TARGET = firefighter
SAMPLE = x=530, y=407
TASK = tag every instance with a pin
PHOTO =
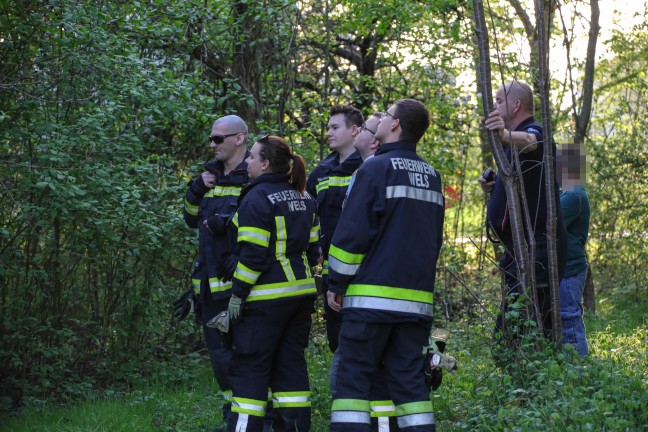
x=328, y=182
x=273, y=291
x=210, y=201
x=382, y=265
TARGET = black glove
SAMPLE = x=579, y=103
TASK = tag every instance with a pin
x=227, y=268
x=184, y=304
x=218, y=223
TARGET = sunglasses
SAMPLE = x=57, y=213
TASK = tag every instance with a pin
x=218, y=139
x=265, y=139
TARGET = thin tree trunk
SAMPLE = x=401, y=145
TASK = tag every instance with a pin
x=521, y=252
x=548, y=162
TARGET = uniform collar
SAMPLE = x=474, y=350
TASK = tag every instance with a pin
x=398, y=145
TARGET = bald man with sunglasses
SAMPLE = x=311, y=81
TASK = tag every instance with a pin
x=210, y=202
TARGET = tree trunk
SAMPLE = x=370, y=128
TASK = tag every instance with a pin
x=520, y=248
x=549, y=174
x=588, y=293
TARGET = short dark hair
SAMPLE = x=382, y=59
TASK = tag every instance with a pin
x=352, y=116
x=414, y=119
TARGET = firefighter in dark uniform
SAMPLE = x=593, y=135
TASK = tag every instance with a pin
x=328, y=182
x=382, y=270
x=209, y=203
x=273, y=291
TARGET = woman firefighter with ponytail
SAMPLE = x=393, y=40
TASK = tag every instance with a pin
x=273, y=291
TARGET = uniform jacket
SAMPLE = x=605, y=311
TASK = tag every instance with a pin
x=277, y=234
x=217, y=204
x=384, y=253
x=328, y=182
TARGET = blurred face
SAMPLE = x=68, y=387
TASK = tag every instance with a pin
x=340, y=137
x=386, y=124
x=223, y=141
x=501, y=105
x=256, y=166
x=365, y=136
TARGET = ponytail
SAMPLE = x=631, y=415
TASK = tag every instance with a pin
x=298, y=173
x=277, y=152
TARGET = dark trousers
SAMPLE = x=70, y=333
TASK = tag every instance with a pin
x=220, y=354
x=268, y=352
x=363, y=348
x=333, y=319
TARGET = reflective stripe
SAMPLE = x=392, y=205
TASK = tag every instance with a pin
x=342, y=268
x=254, y=235
x=347, y=257
x=280, y=251
x=282, y=290
x=382, y=408
x=227, y=395
x=325, y=267
x=217, y=285
x=235, y=219
x=339, y=181
x=322, y=185
x=248, y=406
x=221, y=191
x=390, y=292
x=196, y=285
x=291, y=399
x=242, y=422
x=350, y=417
x=387, y=304
x=190, y=208
x=415, y=420
x=314, y=234
x=246, y=274
x=414, y=193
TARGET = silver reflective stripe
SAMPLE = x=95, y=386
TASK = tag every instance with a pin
x=242, y=422
x=281, y=290
x=342, y=268
x=288, y=399
x=383, y=424
x=350, y=417
x=415, y=420
x=383, y=408
x=219, y=284
x=414, y=193
x=388, y=304
x=247, y=406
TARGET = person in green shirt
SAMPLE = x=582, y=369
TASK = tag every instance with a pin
x=575, y=207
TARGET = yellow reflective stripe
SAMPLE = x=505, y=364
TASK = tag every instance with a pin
x=344, y=256
x=350, y=405
x=291, y=399
x=339, y=181
x=254, y=235
x=390, y=293
x=282, y=290
x=325, y=267
x=415, y=413
x=227, y=395
x=307, y=267
x=314, y=234
x=221, y=191
x=196, y=285
x=248, y=406
x=217, y=285
x=190, y=208
x=280, y=251
x=322, y=185
x=384, y=408
x=246, y=274
x=235, y=219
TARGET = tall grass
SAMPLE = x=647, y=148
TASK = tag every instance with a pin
x=548, y=392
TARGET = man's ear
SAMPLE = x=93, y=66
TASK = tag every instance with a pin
x=355, y=130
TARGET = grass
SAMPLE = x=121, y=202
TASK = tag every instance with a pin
x=545, y=391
